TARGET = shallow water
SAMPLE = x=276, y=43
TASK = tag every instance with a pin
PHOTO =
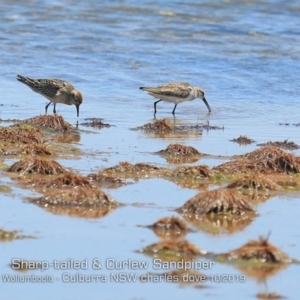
x=244, y=54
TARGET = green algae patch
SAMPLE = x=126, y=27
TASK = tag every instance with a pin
x=221, y=177
x=289, y=183
x=67, y=138
x=8, y=236
x=65, y=150
x=5, y=189
x=170, y=250
x=3, y=166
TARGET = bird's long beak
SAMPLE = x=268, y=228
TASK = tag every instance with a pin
x=206, y=103
x=77, y=108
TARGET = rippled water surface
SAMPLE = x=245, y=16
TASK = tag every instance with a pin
x=245, y=54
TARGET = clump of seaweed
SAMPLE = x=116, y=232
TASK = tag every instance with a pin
x=111, y=182
x=95, y=122
x=173, y=250
x=170, y=228
x=67, y=180
x=36, y=149
x=158, y=126
x=257, y=258
x=264, y=160
x=55, y=122
x=243, y=140
x=238, y=166
x=264, y=153
x=82, y=197
x=37, y=166
x=21, y=135
x=193, y=172
x=163, y=127
x=131, y=171
x=284, y=145
x=179, y=150
x=220, y=201
x=258, y=251
x=177, y=154
x=254, y=181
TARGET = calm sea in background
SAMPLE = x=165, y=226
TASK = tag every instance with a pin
x=245, y=54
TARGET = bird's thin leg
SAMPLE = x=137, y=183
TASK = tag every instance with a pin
x=46, y=107
x=54, y=110
x=173, y=112
x=155, y=105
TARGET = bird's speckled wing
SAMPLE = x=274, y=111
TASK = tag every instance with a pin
x=175, y=89
x=47, y=87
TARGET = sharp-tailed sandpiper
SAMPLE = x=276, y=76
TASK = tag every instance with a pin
x=55, y=90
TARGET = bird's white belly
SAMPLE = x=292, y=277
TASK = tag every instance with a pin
x=173, y=99
x=57, y=98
